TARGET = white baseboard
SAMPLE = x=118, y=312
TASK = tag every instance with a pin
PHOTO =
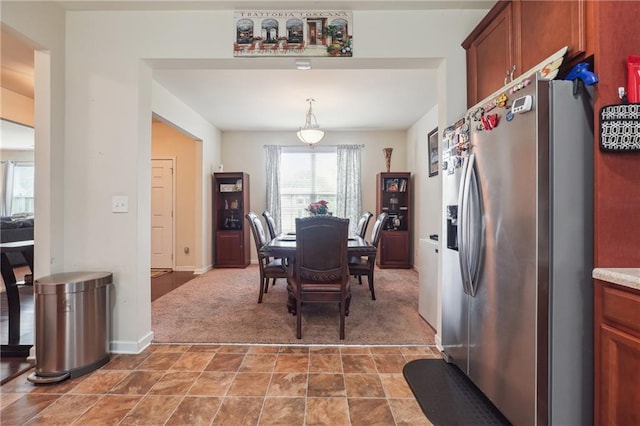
x=128, y=347
x=32, y=354
x=201, y=271
x=184, y=268
x=196, y=271
x=439, y=343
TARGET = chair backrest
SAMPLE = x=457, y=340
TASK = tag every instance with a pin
x=321, y=249
x=363, y=222
x=376, y=231
x=257, y=230
x=271, y=224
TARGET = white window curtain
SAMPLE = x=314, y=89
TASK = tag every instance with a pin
x=349, y=199
x=6, y=188
x=272, y=154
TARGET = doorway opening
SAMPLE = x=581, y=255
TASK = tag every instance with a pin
x=175, y=189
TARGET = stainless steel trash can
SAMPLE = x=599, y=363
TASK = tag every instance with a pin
x=72, y=336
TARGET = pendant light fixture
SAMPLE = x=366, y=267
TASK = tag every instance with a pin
x=310, y=133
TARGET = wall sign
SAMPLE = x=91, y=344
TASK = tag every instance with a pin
x=293, y=33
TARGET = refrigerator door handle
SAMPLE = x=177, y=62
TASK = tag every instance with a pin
x=474, y=226
x=463, y=216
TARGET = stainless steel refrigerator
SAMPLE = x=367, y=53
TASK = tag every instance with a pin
x=517, y=313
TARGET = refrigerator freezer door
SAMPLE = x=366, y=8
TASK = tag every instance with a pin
x=455, y=303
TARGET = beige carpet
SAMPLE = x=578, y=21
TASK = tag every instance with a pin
x=221, y=306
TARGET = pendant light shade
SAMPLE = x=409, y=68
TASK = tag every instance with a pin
x=310, y=133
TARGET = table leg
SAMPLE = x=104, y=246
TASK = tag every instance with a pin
x=13, y=299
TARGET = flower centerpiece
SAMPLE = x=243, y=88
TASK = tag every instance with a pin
x=318, y=207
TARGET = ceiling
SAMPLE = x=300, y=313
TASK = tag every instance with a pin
x=16, y=72
x=362, y=95
x=269, y=93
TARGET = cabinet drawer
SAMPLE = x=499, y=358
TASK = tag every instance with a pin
x=621, y=308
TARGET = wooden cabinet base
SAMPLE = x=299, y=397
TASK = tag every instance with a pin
x=230, y=250
x=617, y=355
x=394, y=250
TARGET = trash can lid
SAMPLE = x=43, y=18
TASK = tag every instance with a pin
x=72, y=282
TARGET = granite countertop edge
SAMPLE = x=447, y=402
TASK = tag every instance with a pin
x=627, y=277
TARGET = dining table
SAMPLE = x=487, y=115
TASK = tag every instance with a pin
x=284, y=245
x=14, y=347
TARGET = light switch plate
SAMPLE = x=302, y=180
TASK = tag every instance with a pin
x=119, y=204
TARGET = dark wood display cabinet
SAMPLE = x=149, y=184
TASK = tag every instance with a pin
x=393, y=196
x=231, y=232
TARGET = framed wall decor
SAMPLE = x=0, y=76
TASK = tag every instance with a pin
x=293, y=33
x=432, y=146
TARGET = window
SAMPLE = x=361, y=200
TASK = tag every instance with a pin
x=17, y=188
x=306, y=176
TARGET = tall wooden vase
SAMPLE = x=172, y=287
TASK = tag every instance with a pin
x=387, y=157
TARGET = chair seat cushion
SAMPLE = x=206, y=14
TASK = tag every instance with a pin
x=276, y=263
x=358, y=261
x=359, y=266
x=275, y=266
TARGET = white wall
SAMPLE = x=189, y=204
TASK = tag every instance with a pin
x=236, y=145
x=428, y=203
x=108, y=104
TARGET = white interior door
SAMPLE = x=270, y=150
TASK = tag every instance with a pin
x=162, y=213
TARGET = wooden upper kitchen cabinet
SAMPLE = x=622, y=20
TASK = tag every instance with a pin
x=544, y=27
x=490, y=53
x=617, y=355
x=517, y=35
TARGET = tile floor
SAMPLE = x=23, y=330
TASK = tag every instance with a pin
x=229, y=385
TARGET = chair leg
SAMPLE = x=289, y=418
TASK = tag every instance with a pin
x=291, y=304
x=261, y=289
x=298, y=319
x=266, y=285
x=348, y=304
x=373, y=292
x=360, y=279
x=343, y=308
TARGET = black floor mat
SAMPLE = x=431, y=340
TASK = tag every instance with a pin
x=447, y=396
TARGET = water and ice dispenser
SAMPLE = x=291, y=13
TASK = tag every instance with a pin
x=452, y=227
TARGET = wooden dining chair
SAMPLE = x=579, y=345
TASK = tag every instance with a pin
x=270, y=268
x=320, y=270
x=363, y=223
x=271, y=224
x=365, y=265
